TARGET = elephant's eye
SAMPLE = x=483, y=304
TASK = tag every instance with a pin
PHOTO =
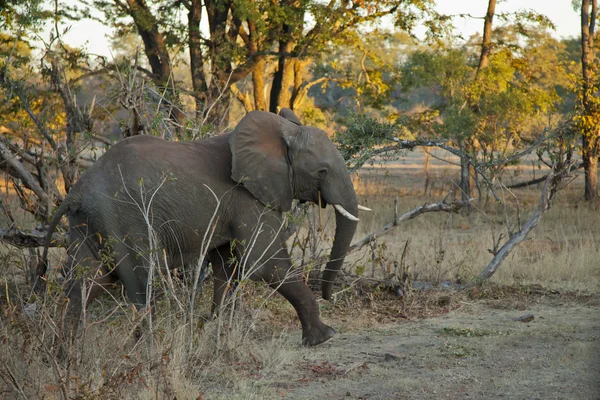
x=323, y=173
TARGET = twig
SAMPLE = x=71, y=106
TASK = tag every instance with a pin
x=14, y=381
x=35, y=119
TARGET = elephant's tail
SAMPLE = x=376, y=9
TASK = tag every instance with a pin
x=42, y=265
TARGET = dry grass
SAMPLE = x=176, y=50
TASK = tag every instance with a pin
x=240, y=360
x=213, y=358
x=562, y=252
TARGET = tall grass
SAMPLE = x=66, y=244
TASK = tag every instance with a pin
x=183, y=351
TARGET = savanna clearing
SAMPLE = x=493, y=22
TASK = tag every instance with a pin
x=431, y=342
x=478, y=350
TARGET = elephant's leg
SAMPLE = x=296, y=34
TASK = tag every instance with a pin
x=133, y=275
x=134, y=278
x=94, y=287
x=291, y=286
x=82, y=267
x=268, y=260
x=222, y=274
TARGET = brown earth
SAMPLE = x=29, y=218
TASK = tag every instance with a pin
x=478, y=351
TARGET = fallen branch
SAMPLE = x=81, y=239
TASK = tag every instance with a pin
x=573, y=167
x=29, y=239
x=364, y=284
x=550, y=189
x=452, y=207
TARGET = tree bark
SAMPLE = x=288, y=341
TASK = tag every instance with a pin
x=156, y=52
x=154, y=43
x=258, y=82
x=590, y=138
x=287, y=79
x=283, y=79
x=258, y=70
x=465, y=175
x=224, y=28
x=426, y=171
x=299, y=67
x=486, y=44
x=590, y=165
x=196, y=57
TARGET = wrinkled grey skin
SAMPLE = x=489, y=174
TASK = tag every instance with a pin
x=255, y=172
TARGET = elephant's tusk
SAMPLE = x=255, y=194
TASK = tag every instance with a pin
x=345, y=213
x=363, y=208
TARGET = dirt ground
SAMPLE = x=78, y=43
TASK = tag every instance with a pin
x=478, y=351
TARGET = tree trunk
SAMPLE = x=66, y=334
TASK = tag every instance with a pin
x=299, y=67
x=258, y=83
x=465, y=180
x=486, y=44
x=156, y=52
x=196, y=58
x=426, y=171
x=590, y=137
x=473, y=150
x=154, y=43
x=287, y=80
x=283, y=79
x=467, y=147
x=258, y=70
x=590, y=165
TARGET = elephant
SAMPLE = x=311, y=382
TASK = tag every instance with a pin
x=228, y=185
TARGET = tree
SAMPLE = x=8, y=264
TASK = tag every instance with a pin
x=273, y=41
x=588, y=115
x=362, y=77
x=42, y=125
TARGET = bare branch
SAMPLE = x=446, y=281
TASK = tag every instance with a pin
x=299, y=94
x=550, y=189
x=241, y=97
x=452, y=207
x=26, y=156
x=573, y=167
x=19, y=171
x=29, y=239
x=463, y=15
x=41, y=127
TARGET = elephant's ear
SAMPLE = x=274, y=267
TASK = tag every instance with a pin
x=260, y=159
x=290, y=116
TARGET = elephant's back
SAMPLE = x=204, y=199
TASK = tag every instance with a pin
x=178, y=182
x=149, y=159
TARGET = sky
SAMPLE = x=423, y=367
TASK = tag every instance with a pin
x=93, y=35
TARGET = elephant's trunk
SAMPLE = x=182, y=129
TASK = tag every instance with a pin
x=344, y=231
